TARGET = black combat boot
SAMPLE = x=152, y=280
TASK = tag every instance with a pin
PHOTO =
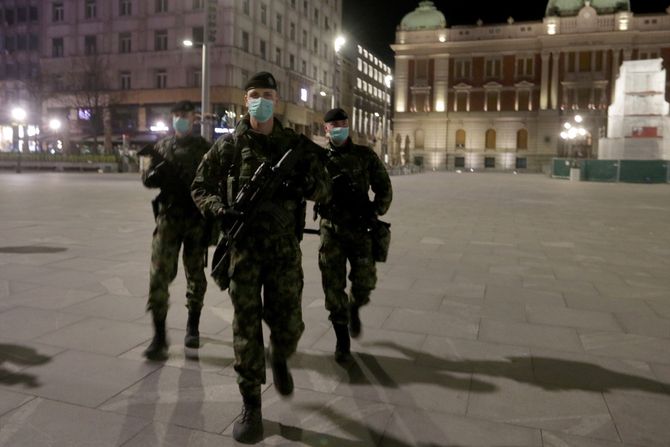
x=158, y=349
x=248, y=428
x=354, y=321
x=280, y=373
x=343, y=345
x=192, y=338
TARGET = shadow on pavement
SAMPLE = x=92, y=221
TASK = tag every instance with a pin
x=31, y=249
x=21, y=356
x=547, y=373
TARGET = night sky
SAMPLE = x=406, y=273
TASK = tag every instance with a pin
x=373, y=22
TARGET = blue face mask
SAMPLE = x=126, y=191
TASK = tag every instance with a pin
x=181, y=125
x=261, y=109
x=339, y=134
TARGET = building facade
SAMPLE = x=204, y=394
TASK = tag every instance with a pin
x=20, y=82
x=366, y=95
x=497, y=96
x=115, y=66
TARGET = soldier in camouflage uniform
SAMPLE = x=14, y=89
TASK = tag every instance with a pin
x=178, y=222
x=268, y=255
x=344, y=228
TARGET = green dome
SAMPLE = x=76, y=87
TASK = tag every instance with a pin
x=426, y=16
x=572, y=7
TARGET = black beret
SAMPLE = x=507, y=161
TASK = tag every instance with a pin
x=335, y=115
x=262, y=79
x=183, y=106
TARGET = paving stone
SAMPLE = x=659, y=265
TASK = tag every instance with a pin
x=586, y=372
x=412, y=427
x=493, y=310
x=48, y=297
x=44, y=423
x=9, y=401
x=652, y=326
x=158, y=434
x=553, y=439
x=433, y=323
x=87, y=379
x=532, y=405
x=13, y=322
x=641, y=420
x=600, y=303
x=99, y=335
x=561, y=316
x=113, y=307
x=184, y=397
x=311, y=418
x=524, y=295
x=522, y=334
x=627, y=346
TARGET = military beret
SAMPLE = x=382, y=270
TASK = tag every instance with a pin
x=183, y=106
x=262, y=79
x=335, y=115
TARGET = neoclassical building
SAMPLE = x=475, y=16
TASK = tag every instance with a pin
x=497, y=96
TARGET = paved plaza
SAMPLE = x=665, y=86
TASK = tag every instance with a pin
x=514, y=310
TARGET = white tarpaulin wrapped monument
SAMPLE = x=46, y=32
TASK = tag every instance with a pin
x=638, y=126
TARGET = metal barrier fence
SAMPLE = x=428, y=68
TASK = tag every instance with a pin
x=629, y=171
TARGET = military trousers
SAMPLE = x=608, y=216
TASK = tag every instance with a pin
x=171, y=233
x=266, y=282
x=338, y=245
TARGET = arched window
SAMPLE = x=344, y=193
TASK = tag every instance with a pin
x=490, y=139
x=522, y=139
x=419, y=137
x=460, y=138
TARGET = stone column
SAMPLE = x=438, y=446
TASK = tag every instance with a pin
x=441, y=76
x=555, y=56
x=544, y=97
x=401, y=80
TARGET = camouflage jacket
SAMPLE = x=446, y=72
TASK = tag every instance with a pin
x=174, y=178
x=232, y=161
x=355, y=170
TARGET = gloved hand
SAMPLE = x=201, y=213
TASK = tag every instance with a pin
x=228, y=215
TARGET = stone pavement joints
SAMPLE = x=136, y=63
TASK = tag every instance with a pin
x=513, y=311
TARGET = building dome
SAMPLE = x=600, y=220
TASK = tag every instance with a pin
x=425, y=16
x=572, y=7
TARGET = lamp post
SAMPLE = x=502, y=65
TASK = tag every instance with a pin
x=205, y=121
x=387, y=83
x=339, y=42
x=574, y=132
x=18, y=116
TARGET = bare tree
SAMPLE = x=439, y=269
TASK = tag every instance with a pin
x=88, y=89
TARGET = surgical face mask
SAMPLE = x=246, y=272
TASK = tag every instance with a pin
x=181, y=125
x=261, y=109
x=339, y=134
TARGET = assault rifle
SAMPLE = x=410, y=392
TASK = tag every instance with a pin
x=260, y=188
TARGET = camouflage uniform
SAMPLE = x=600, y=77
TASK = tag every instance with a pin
x=178, y=221
x=344, y=236
x=268, y=257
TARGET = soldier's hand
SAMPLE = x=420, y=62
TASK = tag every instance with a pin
x=229, y=215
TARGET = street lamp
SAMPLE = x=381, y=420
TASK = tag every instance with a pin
x=574, y=132
x=205, y=122
x=387, y=83
x=339, y=43
x=18, y=115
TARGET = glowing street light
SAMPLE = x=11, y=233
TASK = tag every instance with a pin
x=338, y=44
x=19, y=114
x=578, y=119
x=187, y=43
x=322, y=93
x=55, y=124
